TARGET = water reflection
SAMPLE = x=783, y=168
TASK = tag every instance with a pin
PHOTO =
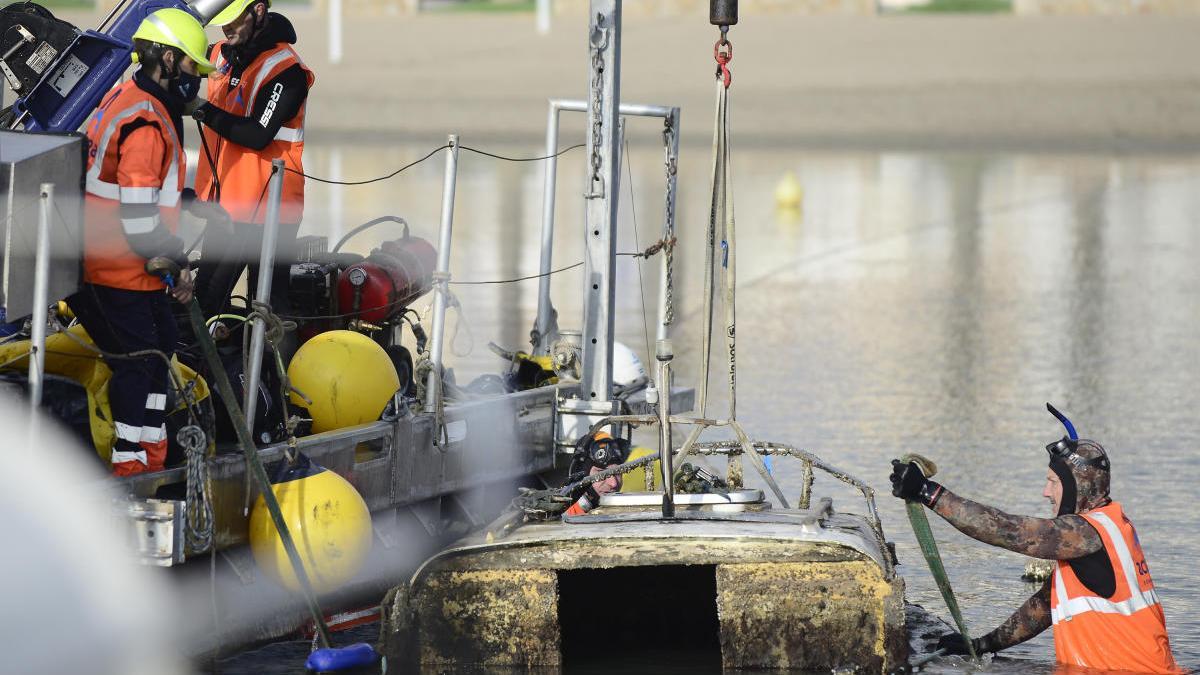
x=921, y=302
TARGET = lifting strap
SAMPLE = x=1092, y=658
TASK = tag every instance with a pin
x=720, y=233
x=929, y=549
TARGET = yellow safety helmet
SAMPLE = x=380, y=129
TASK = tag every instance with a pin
x=179, y=29
x=232, y=12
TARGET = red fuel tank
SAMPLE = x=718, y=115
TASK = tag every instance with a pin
x=392, y=277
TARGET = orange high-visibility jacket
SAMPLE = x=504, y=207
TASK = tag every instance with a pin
x=1126, y=631
x=144, y=166
x=242, y=173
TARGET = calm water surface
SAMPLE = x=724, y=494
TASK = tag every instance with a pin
x=914, y=303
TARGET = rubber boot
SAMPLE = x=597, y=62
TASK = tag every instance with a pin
x=130, y=468
x=156, y=453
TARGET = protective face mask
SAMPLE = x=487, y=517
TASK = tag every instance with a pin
x=186, y=87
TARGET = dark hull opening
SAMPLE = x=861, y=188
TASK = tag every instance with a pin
x=631, y=618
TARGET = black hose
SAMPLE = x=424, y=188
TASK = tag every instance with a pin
x=212, y=164
x=367, y=225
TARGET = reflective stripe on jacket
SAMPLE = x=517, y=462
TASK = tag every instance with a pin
x=144, y=167
x=242, y=173
x=1126, y=631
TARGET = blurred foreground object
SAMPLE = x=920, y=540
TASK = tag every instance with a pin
x=76, y=601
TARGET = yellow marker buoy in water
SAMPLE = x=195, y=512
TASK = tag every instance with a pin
x=328, y=520
x=789, y=194
x=635, y=481
x=349, y=378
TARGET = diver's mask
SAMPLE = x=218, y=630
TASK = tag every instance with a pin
x=1065, y=450
x=600, y=450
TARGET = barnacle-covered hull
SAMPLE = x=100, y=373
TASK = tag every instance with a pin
x=758, y=588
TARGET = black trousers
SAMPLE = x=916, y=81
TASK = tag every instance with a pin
x=122, y=321
x=228, y=251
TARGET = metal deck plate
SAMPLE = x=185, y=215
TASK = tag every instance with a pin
x=805, y=520
x=746, y=496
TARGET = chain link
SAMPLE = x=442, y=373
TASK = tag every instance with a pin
x=599, y=43
x=671, y=164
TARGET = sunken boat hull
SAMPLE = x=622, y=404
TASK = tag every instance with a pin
x=758, y=588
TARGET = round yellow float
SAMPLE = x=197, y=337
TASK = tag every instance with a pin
x=328, y=521
x=349, y=378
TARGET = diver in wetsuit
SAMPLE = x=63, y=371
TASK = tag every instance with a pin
x=1100, y=598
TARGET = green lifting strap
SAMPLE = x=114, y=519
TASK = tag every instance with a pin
x=920, y=526
x=254, y=464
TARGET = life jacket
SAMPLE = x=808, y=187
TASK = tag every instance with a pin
x=1126, y=631
x=107, y=258
x=243, y=173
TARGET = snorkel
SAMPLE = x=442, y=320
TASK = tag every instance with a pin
x=1065, y=422
x=1058, y=452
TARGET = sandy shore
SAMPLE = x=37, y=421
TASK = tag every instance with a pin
x=1092, y=84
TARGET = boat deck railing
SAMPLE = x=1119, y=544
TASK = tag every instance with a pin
x=743, y=446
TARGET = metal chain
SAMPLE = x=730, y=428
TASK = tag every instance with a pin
x=198, y=505
x=599, y=42
x=671, y=163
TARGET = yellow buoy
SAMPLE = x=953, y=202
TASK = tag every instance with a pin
x=635, y=481
x=789, y=194
x=327, y=519
x=349, y=378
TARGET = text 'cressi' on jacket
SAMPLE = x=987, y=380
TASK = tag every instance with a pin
x=242, y=173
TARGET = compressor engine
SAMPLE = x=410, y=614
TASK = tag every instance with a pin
x=391, y=277
x=370, y=295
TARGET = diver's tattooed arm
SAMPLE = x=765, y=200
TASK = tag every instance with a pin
x=1032, y=618
x=1061, y=538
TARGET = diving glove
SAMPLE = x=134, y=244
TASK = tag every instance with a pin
x=955, y=643
x=910, y=484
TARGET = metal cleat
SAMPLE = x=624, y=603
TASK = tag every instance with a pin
x=158, y=531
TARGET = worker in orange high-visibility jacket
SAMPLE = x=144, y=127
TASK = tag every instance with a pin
x=1100, y=598
x=134, y=192
x=254, y=114
x=594, y=454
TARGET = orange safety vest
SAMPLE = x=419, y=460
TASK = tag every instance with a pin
x=243, y=173
x=1126, y=631
x=107, y=258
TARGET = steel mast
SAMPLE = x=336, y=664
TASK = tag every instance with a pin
x=600, y=194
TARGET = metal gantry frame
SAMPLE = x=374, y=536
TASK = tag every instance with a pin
x=544, y=324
